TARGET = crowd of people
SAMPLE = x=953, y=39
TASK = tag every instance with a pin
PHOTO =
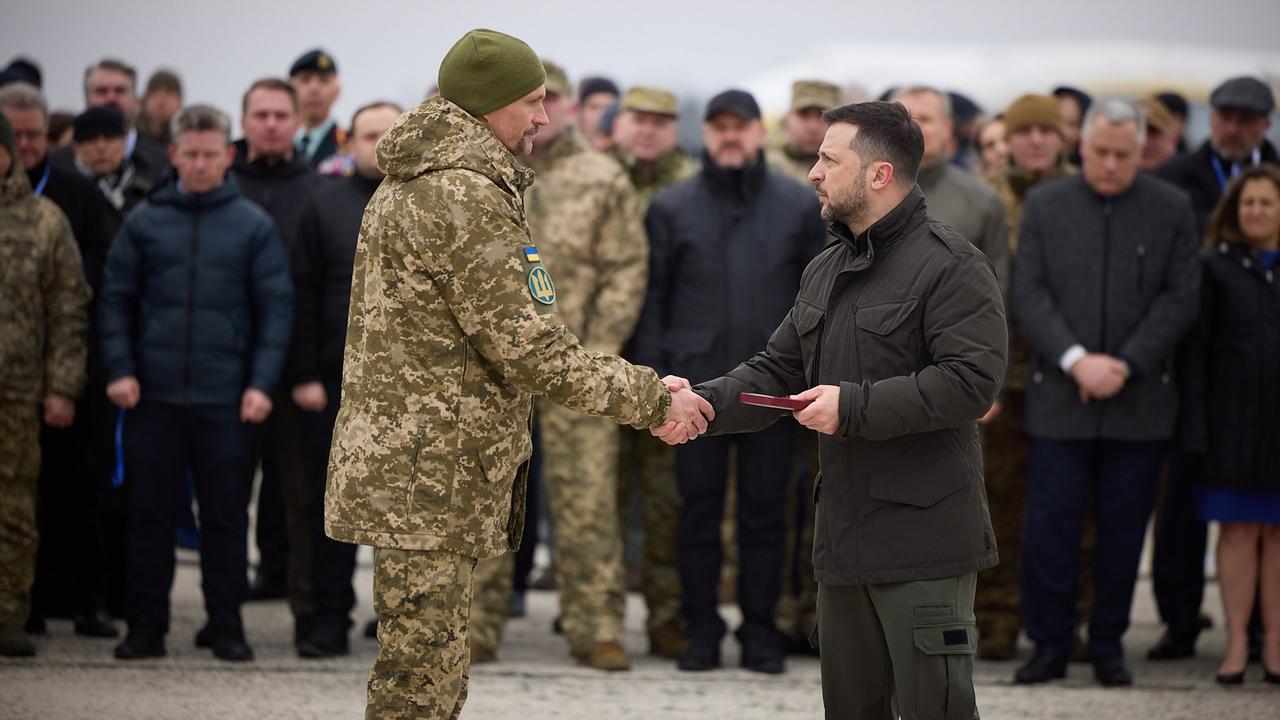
x=174, y=311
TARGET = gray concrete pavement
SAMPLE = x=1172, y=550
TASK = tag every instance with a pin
x=76, y=678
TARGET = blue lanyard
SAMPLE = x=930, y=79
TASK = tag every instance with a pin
x=117, y=476
x=1222, y=175
x=44, y=180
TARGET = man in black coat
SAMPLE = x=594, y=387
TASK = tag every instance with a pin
x=80, y=565
x=197, y=306
x=279, y=180
x=1105, y=284
x=323, y=256
x=314, y=76
x=727, y=248
x=1239, y=116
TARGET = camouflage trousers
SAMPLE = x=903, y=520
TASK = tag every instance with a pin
x=19, y=470
x=423, y=600
x=1005, y=448
x=580, y=464
x=797, y=612
x=648, y=465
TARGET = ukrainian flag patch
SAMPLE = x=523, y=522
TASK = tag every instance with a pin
x=531, y=255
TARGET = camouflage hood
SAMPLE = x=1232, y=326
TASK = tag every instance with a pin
x=15, y=187
x=438, y=135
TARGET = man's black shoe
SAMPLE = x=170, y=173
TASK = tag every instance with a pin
x=1172, y=648
x=204, y=638
x=36, y=625
x=1044, y=666
x=371, y=630
x=232, y=647
x=95, y=624
x=325, y=640
x=794, y=645
x=138, y=645
x=1111, y=672
x=766, y=660
x=700, y=655
x=516, y=609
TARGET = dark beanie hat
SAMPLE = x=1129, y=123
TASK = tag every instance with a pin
x=592, y=85
x=102, y=121
x=28, y=70
x=486, y=70
x=6, y=141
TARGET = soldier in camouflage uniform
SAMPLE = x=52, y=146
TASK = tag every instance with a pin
x=582, y=213
x=44, y=321
x=645, y=145
x=1035, y=121
x=794, y=151
x=452, y=330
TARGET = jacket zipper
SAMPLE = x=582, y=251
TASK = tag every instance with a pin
x=191, y=306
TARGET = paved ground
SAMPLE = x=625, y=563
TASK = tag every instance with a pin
x=76, y=678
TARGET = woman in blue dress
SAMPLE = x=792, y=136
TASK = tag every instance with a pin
x=1233, y=405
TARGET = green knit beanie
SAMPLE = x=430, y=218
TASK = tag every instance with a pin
x=6, y=140
x=487, y=70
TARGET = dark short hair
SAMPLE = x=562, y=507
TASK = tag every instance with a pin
x=164, y=80
x=1224, y=224
x=112, y=65
x=885, y=134
x=269, y=83
x=373, y=106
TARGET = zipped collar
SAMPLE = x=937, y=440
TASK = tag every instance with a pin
x=901, y=220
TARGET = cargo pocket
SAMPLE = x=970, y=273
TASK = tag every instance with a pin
x=944, y=671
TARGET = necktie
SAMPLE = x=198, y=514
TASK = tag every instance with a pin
x=303, y=143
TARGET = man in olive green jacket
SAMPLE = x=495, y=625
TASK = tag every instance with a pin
x=898, y=332
x=452, y=331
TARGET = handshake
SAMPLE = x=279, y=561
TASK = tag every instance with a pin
x=690, y=413
x=688, y=416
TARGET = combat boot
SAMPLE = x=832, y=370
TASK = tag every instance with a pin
x=608, y=656
x=14, y=642
x=668, y=640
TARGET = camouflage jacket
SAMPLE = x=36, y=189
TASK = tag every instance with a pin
x=587, y=228
x=649, y=179
x=44, y=298
x=780, y=160
x=452, y=331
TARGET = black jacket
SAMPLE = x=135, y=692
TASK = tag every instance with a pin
x=1195, y=174
x=322, y=263
x=1118, y=276
x=726, y=251
x=280, y=188
x=907, y=320
x=87, y=211
x=197, y=302
x=1231, y=407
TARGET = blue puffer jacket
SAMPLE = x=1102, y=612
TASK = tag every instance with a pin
x=197, y=300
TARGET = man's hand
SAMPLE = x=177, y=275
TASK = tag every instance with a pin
x=823, y=414
x=675, y=383
x=687, y=418
x=124, y=392
x=1099, y=376
x=59, y=410
x=310, y=396
x=996, y=407
x=255, y=406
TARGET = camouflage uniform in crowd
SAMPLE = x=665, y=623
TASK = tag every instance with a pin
x=1005, y=446
x=44, y=321
x=646, y=465
x=452, y=331
x=583, y=216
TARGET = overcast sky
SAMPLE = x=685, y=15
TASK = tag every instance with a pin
x=391, y=48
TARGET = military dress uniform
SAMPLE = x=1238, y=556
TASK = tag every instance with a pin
x=452, y=330
x=584, y=219
x=44, y=320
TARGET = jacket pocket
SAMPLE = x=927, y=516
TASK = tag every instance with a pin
x=922, y=484
x=808, y=320
x=884, y=318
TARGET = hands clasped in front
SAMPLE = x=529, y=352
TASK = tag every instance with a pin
x=690, y=413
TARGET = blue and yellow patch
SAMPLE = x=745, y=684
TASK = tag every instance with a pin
x=540, y=286
x=531, y=255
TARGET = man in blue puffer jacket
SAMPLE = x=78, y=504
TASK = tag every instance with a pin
x=196, y=311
